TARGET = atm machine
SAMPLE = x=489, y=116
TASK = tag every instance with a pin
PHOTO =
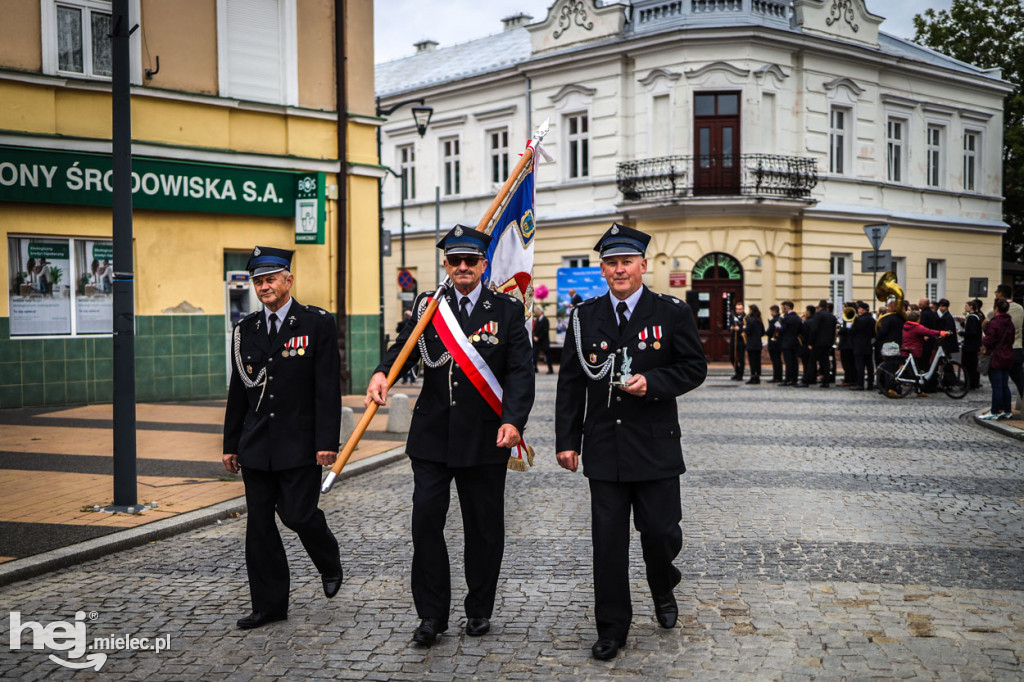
x=239, y=301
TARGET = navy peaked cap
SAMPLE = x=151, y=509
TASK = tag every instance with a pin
x=465, y=240
x=620, y=240
x=266, y=260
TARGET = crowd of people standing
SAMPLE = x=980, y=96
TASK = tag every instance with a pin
x=802, y=346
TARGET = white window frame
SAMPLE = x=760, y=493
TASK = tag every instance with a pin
x=406, y=160
x=497, y=155
x=289, y=49
x=935, y=279
x=896, y=169
x=839, y=144
x=451, y=165
x=840, y=278
x=577, y=146
x=935, y=151
x=899, y=266
x=577, y=261
x=972, y=160
x=49, y=42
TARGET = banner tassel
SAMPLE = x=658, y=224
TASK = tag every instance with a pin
x=516, y=462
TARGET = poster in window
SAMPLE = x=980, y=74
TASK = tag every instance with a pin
x=40, y=293
x=94, y=263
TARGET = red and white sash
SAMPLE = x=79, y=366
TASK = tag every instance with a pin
x=466, y=356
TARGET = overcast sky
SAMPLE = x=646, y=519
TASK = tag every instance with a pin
x=400, y=23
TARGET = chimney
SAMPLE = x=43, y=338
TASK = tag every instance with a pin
x=425, y=45
x=516, y=20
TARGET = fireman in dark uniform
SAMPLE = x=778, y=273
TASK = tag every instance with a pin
x=281, y=425
x=628, y=435
x=456, y=434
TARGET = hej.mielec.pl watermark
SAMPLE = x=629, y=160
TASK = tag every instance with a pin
x=71, y=638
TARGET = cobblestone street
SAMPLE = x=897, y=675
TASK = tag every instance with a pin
x=827, y=534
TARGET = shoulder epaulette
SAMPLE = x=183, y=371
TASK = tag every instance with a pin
x=314, y=309
x=670, y=299
x=588, y=301
x=250, y=315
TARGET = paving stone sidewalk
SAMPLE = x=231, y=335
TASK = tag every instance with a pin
x=828, y=534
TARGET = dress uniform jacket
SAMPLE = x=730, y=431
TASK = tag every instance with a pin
x=451, y=406
x=299, y=408
x=790, y=332
x=862, y=331
x=630, y=438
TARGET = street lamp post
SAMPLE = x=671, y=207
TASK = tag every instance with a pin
x=421, y=115
x=401, y=177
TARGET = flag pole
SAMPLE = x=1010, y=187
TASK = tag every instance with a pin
x=396, y=367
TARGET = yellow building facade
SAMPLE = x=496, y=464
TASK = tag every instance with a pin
x=236, y=131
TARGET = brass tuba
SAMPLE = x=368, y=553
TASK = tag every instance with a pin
x=885, y=289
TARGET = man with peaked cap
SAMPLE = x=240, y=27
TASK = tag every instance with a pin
x=456, y=434
x=281, y=426
x=628, y=354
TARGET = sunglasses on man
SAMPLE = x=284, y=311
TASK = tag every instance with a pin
x=470, y=261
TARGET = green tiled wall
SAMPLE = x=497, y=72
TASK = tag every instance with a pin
x=363, y=343
x=177, y=357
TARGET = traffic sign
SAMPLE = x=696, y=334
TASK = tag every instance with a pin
x=405, y=280
x=876, y=233
x=876, y=261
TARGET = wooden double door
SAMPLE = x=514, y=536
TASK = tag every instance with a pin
x=716, y=133
x=717, y=287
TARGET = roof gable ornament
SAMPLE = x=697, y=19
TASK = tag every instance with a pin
x=572, y=22
x=573, y=95
x=773, y=70
x=846, y=20
x=843, y=82
x=573, y=12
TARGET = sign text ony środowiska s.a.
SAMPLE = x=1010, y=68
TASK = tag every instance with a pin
x=79, y=178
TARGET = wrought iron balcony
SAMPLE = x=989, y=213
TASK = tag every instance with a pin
x=752, y=175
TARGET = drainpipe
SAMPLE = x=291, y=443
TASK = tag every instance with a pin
x=342, y=256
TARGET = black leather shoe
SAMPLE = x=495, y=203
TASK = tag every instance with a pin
x=754, y=380
x=606, y=649
x=332, y=583
x=258, y=619
x=477, y=627
x=666, y=610
x=855, y=387
x=428, y=631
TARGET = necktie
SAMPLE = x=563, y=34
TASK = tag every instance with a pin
x=464, y=312
x=621, y=309
x=273, y=325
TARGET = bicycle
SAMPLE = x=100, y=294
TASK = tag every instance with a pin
x=951, y=376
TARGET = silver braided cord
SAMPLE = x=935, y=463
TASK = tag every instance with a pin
x=589, y=369
x=236, y=343
x=422, y=342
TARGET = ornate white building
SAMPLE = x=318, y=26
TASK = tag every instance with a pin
x=754, y=139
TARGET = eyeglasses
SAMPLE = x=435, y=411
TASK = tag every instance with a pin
x=470, y=261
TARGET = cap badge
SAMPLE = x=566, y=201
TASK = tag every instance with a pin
x=615, y=229
x=458, y=230
x=256, y=251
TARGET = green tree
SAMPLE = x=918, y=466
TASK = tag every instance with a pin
x=990, y=34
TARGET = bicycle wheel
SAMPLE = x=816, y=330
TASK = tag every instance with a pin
x=888, y=383
x=953, y=380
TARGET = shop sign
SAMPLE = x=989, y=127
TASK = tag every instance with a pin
x=677, y=279
x=310, y=211
x=86, y=179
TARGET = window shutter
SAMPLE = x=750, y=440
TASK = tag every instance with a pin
x=255, y=53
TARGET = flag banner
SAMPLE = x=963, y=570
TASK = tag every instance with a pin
x=510, y=255
x=466, y=357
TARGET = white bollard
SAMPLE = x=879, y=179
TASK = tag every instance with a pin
x=348, y=424
x=399, y=415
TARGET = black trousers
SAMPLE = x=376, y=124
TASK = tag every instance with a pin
x=482, y=498
x=792, y=368
x=293, y=494
x=863, y=364
x=849, y=363
x=754, y=356
x=736, y=356
x=969, y=360
x=821, y=358
x=537, y=350
x=776, y=357
x=657, y=512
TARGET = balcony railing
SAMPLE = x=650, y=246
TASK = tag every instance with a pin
x=753, y=175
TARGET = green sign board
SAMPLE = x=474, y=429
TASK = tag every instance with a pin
x=48, y=250
x=310, y=209
x=103, y=251
x=85, y=179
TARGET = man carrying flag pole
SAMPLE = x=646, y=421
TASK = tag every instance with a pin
x=478, y=389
